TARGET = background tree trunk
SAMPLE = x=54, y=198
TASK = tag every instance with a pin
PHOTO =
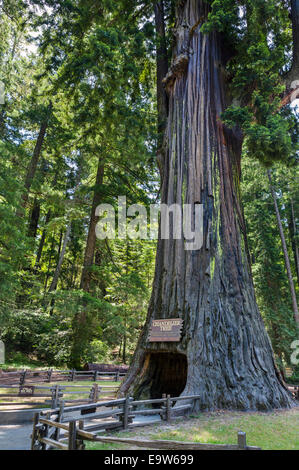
x=91, y=237
x=225, y=354
x=285, y=252
x=35, y=158
x=54, y=282
x=293, y=234
x=34, y=218
x=42, y=240
x=81, y=333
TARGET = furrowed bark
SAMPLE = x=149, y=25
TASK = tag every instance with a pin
x=162, y=69
x=225, y=354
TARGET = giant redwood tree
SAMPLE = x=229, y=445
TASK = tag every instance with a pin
x=224, y=85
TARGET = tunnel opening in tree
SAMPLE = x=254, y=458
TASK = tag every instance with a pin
x=166, y=374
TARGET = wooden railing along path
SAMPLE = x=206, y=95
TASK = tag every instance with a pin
x=103, y=416
x=53, y=395
x=61, y=429
x=28, y=376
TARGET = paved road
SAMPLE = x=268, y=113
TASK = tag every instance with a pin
x=17, y=437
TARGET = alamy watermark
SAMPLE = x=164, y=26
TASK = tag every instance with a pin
x=2, y=92
x=2, y=352
x=177, y=222
x=295, y=354
x=295, y=87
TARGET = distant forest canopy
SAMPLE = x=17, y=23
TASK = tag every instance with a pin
x=78, y=128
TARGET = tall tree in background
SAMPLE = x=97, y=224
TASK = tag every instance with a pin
x=285, y=252
x=225, y=354
x=266, y=253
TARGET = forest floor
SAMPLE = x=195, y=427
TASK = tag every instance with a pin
x=277, y=430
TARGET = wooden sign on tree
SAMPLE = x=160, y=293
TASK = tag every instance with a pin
x=168, y=329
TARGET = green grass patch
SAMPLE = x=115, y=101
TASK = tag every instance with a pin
x=270, y=431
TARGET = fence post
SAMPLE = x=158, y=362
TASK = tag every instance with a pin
x=96, y=393
x=45, y=431
x=59, y=420
x=72, y=435
x=80, y=443
x=72, y=375
x=81, y=424
x=55, y=396
x=34, y=431
x=163, y=406
x=95, y=378
x=49, y=375
x=242, y=440
x=126, y=412
x=168, y=409
x=117, y=376
x=23, y=377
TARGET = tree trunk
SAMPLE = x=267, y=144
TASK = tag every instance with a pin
x=91, y=237
x=224, y=354
x=162, y=69
x=54, y=282
x=62, y=250
x=35, y=158
x=42, y=240
x=81, y=332
x=285, y=253
x=34, y=218
x=294, y=72
x=124, y=355
x=293, y=233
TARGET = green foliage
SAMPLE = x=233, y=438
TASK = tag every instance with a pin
x=89, y=67
x=268, y=269
x=259, y=33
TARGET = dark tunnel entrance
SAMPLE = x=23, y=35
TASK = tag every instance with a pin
x=167, y=373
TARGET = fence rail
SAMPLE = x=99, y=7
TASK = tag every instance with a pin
x=100, y=416
x=53, y=395
x=50, y=375
x=53, y=429
x=294, y=389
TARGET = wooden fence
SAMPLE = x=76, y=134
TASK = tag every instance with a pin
x=53, y=395
x=101, y=416
x=37, y=376
x=294, y=389
x=61, y=429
